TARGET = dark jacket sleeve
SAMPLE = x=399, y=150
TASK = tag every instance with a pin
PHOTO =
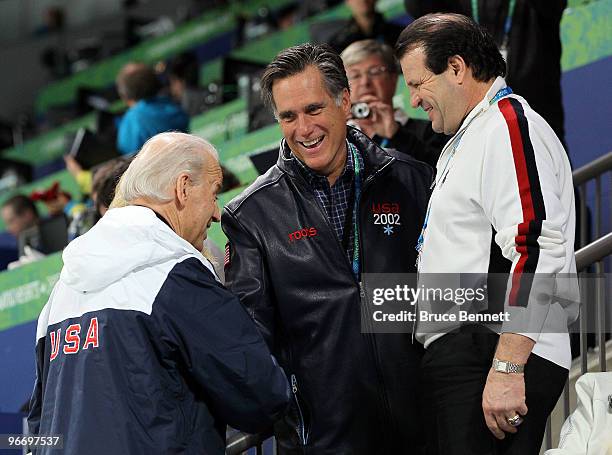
x=246, y=276
x=36, y=399
x=221, y=349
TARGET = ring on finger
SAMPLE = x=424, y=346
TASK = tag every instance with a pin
x=515, y=421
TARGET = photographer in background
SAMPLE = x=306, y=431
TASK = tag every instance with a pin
x=372, y=73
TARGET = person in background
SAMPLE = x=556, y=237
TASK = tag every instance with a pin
x=365, y=23
x=101, y=191
x=148, y=113
x=22, y=220
x=19, y=213
x=372, y=72
x=184, y=77
x=104, y=181
x=57, y=201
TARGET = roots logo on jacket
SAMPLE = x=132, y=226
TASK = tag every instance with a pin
x=303, y=233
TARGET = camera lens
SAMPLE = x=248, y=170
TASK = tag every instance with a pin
x=360, y=110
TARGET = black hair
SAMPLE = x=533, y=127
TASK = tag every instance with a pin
x=185, y=68
x=443, y=35
x=105, y=180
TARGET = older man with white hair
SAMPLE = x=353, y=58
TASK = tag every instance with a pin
x=140, y=349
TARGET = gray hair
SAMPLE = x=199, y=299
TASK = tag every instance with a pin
x=296, y=59
x=153, y=172
x=360, y=50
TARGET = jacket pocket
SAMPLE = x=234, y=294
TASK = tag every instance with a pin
x=302, y=418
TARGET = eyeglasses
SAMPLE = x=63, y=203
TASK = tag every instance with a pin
x=373, y=72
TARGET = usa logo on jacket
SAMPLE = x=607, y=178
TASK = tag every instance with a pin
x=387, y=215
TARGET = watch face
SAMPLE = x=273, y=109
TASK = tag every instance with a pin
x=507, y=367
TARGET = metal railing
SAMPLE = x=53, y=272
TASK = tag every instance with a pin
x=241, y=442
x=587, y=258
x=592, y=256
x=593, y=172
x=594, y=284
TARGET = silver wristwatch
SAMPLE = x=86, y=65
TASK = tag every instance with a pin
x=504, y=366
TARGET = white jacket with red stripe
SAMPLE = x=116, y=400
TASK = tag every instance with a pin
x=508, y=186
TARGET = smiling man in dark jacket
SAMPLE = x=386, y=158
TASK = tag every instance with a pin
x=299, y=239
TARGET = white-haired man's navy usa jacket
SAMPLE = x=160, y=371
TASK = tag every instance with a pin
x=140, y=350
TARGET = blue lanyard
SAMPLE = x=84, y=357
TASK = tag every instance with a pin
x=501, y=93
x=356, y=266
x=419, y=245
x=507, y=22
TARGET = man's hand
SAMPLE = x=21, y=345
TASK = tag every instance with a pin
x=504, y=393
x=381, y=120
x=502, y=399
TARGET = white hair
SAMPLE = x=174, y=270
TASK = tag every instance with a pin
x=154, y=171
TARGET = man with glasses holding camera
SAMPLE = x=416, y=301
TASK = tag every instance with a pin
x=372, y=73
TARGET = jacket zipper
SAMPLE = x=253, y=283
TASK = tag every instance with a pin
x=301, y=428
x=363, y=295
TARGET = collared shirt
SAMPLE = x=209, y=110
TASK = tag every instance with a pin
x=337, y=200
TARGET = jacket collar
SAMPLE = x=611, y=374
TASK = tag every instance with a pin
x=374, y=157
x=483, y=105
x=480, y=108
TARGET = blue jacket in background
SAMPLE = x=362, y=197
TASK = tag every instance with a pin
x=146, y=119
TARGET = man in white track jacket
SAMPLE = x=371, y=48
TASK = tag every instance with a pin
x=502, y=202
